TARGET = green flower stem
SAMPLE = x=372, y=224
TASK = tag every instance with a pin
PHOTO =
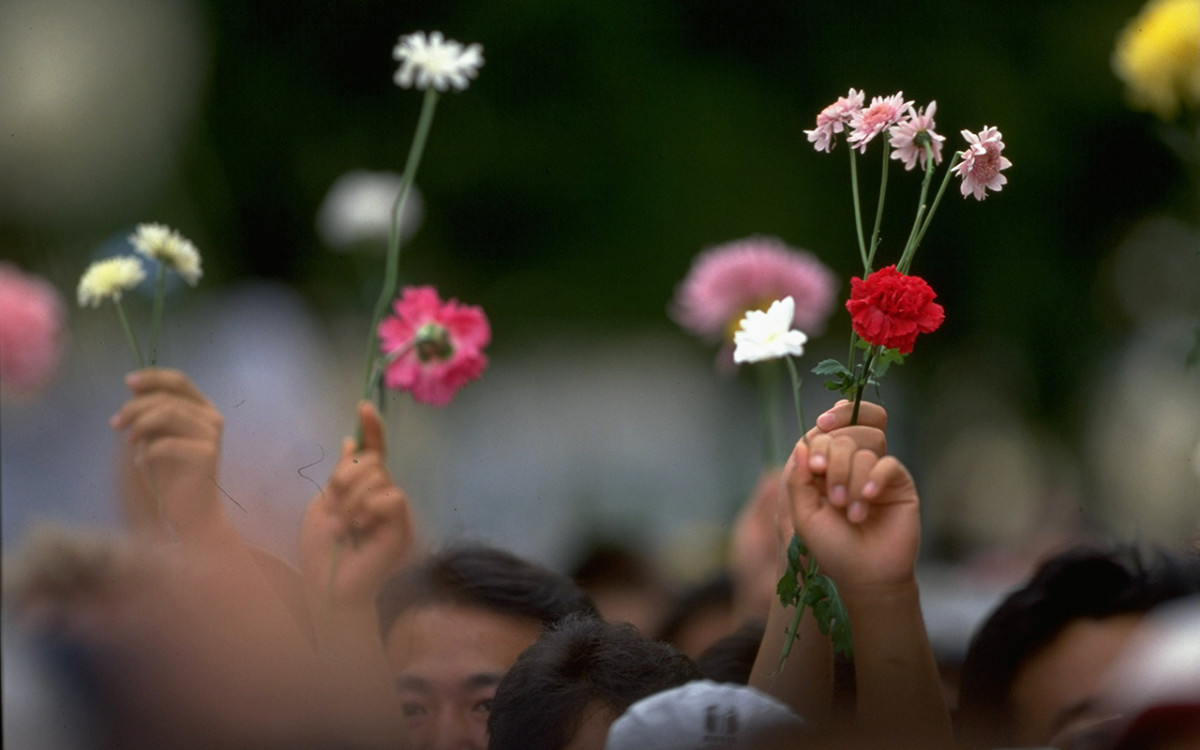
x=862, y=243
x=933, y=208
x=910, y=245
x=862, y=382
x=796, y=383
x=768, y=400
x=160, y=293
x=137, y=352
x=883, y=180
x=392, y=268
x=790, y=637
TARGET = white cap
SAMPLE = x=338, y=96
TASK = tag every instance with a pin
x=703, y=715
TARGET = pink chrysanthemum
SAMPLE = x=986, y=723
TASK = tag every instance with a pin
x=909, y=136
x=434, y=348
x=982, y=162
x=883, y=113
x=728, y=280
x=31, y=331
x=834, y=119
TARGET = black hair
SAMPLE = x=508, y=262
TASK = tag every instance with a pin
x=1081, y=582
x=476, y=575
x=712, y=594
x=582, y=663
x=731, y=659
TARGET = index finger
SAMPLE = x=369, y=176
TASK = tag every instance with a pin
x=157, y=379
x=869, y=415
x=372, y=428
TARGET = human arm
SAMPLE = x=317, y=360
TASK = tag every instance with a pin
x=858, y=511
x=805, y=681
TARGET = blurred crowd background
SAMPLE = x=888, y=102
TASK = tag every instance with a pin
x=603, y=145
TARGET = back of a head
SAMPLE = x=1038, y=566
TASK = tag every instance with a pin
x=703, y=713
x=583, y=667
x=1080, y=583
x=483, y=577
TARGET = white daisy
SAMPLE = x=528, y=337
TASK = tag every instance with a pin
x=768, y=335
x=435, y=62
x=107, y=279
x=170, y=248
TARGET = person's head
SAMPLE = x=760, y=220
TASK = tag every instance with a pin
x=1033, y=668
x=703, y=713
x=565, y=690
x=701, y=616
x=453, y=624
x=731, y=659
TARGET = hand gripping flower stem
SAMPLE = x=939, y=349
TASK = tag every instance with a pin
x=392, y=267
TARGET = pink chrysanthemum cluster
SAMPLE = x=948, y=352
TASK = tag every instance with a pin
x=434, y=348
x=909, y=131
x=728, y=280
x=31, y=331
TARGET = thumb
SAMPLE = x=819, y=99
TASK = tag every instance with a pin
x=372, y=428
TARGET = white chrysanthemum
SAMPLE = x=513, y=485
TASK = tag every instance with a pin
x=170, y=248
x=435, y=62
x=107, y=279
x=768, y=335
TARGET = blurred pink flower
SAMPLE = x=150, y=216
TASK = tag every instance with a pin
x=433, y=348
x=981, y=163
x=908, y=137
x=749, y=274
x=31, y=330
x=883, y=113
x=834, y=119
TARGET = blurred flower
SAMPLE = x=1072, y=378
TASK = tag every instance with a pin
x=981, y=163
x=726, y=281
x=768, y=335
x=909, y=136
x=433, y=348
x=435, y=63
x=1157, y=55
x=167, y=246
x=889, y=309
x=883, y=113
x=31, y=330
x=834, y=119
x=108, y=279
x=358, y=209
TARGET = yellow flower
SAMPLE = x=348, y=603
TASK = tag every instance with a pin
x=107, y=279
x=1157, y=55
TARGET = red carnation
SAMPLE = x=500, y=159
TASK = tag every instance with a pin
x=889, y=309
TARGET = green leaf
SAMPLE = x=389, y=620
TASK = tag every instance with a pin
x=830, y=367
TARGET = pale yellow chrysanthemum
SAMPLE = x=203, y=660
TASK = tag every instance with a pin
x=1158, y=57
x=107, y=279
x=170, y=248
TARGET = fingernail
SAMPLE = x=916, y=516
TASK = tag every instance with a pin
x=857, y=512
x=870, y=488
x=816, y=462
x=837, y=495
x=114, y=421
x=827, y=421
x=133, y=379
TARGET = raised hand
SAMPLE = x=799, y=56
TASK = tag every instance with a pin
x=359, y=529
x=175, y=435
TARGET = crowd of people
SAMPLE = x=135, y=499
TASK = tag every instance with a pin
x=182, y=634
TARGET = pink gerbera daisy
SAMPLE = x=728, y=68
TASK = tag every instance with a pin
x=884, y=112
x=728, y=280
x=982, y=162
x=32, y=331
x=433, y=348
x=834, y=119
x=910, y=135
